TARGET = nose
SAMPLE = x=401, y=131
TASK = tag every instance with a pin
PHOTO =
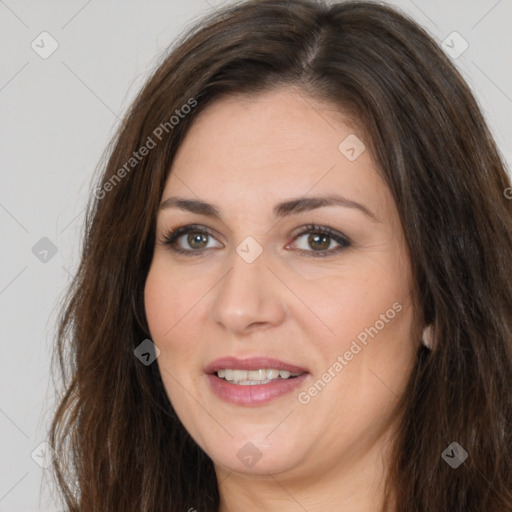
x=249, y=297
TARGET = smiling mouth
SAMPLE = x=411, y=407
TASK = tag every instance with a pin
x=254, y=377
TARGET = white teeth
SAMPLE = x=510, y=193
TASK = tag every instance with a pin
x=253, y=377
x=251, y=382
x=272, y=374
x=239, y=374
x=256, y=375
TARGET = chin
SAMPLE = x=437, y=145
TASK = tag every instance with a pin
x=260, y=451
x=251, y=461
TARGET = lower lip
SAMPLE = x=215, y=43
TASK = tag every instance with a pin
x=252, y=395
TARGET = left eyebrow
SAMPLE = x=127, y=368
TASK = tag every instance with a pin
x=310, y=203
x=280, y=210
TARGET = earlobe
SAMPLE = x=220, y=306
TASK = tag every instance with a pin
x=427, y=338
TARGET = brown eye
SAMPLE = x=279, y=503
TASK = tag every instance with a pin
x=197, y=240
x=320, y=241
x=191, y=240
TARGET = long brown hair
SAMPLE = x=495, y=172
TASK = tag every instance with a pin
x=121, y=445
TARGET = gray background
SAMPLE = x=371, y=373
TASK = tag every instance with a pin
x=57, y=115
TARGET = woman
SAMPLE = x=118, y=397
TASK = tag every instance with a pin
x=295, y=290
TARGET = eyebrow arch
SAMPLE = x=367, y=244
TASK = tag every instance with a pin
x=283, y=209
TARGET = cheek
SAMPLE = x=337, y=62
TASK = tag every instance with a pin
x=158, y=302
x=167, y=300
x=374, y=326
x=344, y=301
x=175, y=313
x=369, y=308
x=163, y=312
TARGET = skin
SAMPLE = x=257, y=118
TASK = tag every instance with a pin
x=244, y=155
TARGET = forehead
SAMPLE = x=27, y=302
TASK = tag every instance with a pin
x=273, y=145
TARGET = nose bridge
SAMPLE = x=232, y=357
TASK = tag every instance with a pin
x=249, y=293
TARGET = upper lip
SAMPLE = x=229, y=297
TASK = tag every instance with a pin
x=252, y=363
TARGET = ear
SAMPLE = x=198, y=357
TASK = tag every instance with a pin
x=427, y=338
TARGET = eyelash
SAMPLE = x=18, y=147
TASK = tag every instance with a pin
x=169, y=238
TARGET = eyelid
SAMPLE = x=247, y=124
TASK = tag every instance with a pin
x=341, y=239
x=170, y=236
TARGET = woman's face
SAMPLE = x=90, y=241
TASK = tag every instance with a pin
x=256, y=289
